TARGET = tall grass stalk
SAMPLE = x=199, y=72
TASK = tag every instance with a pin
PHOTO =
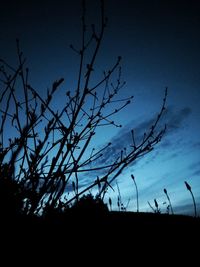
x=194, y=203
x=165, y=191
x=133, y=178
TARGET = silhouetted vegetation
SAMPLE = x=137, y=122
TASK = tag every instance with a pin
x=133, y=178
x=90, y=204
x=193, y=199
x=170, y=204
x=45, y=152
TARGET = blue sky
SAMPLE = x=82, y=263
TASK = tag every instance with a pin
x=159, y=42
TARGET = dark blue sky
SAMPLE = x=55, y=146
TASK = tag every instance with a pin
x=159, y=42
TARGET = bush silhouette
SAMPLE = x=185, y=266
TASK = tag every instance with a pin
x=88, y=204
x=11, y=195
x=51, y=151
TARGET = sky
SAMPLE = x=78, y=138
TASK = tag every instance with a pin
x=159, y=43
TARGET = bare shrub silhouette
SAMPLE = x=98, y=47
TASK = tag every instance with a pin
x=90, y=204
x=48, y=150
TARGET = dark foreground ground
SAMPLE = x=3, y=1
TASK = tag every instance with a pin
x=95, y=225
x=113, y=234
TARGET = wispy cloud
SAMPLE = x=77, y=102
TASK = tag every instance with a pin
x=195, y=168
x=196, y=145
x=194, y=165
x=196, y=172
x=175, y=118
x=186, y=207
x=172, y=118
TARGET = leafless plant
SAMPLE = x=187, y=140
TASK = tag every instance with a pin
x=46, y=164
x=110, y=203
x=194, y=203
x=156, y=209
x=170, y=204
x=133, y=178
